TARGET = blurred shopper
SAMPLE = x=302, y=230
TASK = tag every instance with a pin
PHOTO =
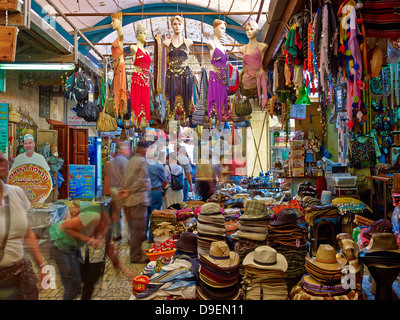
x=184, y=161
x=206, y=178
x=116, y=174
x=173, y=195
x=17, y=277
x=137, y=194
x=158, y=183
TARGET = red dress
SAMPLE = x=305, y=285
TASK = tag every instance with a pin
x=140, y=89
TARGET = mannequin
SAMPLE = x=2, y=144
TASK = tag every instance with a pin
x=217, y=91
x=179, y=80
x=117, y=50
x=253, y=77
x=140, y=87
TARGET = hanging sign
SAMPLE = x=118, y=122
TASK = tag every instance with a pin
x=34, y=180
x=82, y=181
x=298, y=111
x=4, y=128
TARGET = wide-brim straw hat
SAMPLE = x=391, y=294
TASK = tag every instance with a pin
x=267, y=258
x=326, y=259
x=221, y=256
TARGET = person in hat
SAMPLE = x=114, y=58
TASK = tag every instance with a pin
x=30, y=156
x=136, y=191
x=17, y=277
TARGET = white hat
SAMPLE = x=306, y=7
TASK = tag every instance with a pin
x=267, y=258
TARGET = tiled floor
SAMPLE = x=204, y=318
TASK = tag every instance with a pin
x=115, y=286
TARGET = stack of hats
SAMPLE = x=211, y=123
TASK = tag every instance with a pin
x=210, y=227
x=219, y=274
x=264, y=275
x=383, y=249
x=232, y=216
x=379, y=226
x=313, y=214
x=187, y=244
x=289, y=239
x=323, y=280
x=253, y=227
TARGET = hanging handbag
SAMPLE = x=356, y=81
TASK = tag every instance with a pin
x=242, y=106
x=106, y=123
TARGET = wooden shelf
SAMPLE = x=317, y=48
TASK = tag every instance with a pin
x=301, y=177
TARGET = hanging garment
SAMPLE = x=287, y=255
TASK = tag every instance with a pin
x=140, y=89
x=217, y=93
x=120, y=96
x=179, y=85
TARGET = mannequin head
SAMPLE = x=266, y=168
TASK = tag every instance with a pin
x=252, y=29
x=141, y=33
x=116, y=20
x=219, y=27
x=177, y=24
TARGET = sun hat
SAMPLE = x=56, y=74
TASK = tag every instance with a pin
x=381, y=225
x=254, y=210
x=382, y=241
x=326, y=259
x=267, y=258
x=210, y=208
x=221, y=256
x=187, y=242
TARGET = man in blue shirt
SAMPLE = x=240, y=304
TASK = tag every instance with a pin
x=158, y=183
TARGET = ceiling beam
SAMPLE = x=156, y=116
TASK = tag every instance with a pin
x=151, y=14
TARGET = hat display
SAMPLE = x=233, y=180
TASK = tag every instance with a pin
x=382, y=225
x=265, y=257
x=187, y=242
x=384, y=241
x=326, y=259
x=221, y=256
x=255, y=210
x=210, y=208
x=285, y=217
x=315, y=287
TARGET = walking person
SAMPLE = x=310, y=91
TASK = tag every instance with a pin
x=18, y=280
x=173, y=194
x=184, y=161
x=116, y=174
x=158, y=183
x=137, y=194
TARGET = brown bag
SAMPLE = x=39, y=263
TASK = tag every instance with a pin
x=106, y=123
x=242, y=107
x=109, y=105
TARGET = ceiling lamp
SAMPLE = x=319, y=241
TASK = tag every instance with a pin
x=303, y=96
x=38, y=66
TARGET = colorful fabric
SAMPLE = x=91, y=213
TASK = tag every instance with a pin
x=120, y=98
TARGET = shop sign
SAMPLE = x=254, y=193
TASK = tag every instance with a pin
x=298, y=111
x=4, y=128
x=34, y=180
x=82, y=181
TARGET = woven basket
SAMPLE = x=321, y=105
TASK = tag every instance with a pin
x=14, y=116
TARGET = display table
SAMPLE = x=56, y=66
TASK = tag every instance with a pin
x=41, y=219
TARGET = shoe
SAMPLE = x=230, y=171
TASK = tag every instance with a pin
x=142, y=260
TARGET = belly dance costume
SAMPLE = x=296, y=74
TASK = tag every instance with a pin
x=179, y=85
x=254, y=82
x=217, y=91
x=120, y=98
x=140, y=89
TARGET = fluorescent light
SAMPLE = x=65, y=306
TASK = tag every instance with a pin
x=37, y=66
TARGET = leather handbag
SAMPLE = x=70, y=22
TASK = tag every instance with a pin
x=242, y=106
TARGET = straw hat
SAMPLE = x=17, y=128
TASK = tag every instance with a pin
x=221, y=257
x=326, y=259
x=384, y=241
x=376, y=62
x=267, y=258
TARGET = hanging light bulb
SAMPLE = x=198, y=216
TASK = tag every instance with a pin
x=303, y=96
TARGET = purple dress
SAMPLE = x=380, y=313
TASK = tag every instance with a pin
x=217, y=91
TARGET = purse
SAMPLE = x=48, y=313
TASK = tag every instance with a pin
x=105, y=122
x=242, y=106
x=92, y=271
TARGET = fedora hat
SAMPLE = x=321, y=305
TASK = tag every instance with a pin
x=285, y=217
x=187, y=242
x=265, y=257
x=210, y=208
x=381, y=225
x=254, y=210
x=326, y=259
x=221, y=257
x=382, y=241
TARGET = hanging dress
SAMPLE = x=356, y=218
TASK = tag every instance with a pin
x=119, y=88
x=179, y=85
x=254, y=82
x=140, y=89
x=217, y=90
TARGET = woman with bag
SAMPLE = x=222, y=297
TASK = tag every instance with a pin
x=86, y=228
x=17, y=277
x=174, y=190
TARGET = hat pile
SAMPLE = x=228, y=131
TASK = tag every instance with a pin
x=325, y=267
x=314, y=213
x=383, y=249
x=253, y=224
x=289, y=239
x=264, y=275
x=210, y=227
x=187, y=244
x=379, y=226
x=219, y=274
x=231, y=220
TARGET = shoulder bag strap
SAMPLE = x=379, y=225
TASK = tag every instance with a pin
x=7, y=224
